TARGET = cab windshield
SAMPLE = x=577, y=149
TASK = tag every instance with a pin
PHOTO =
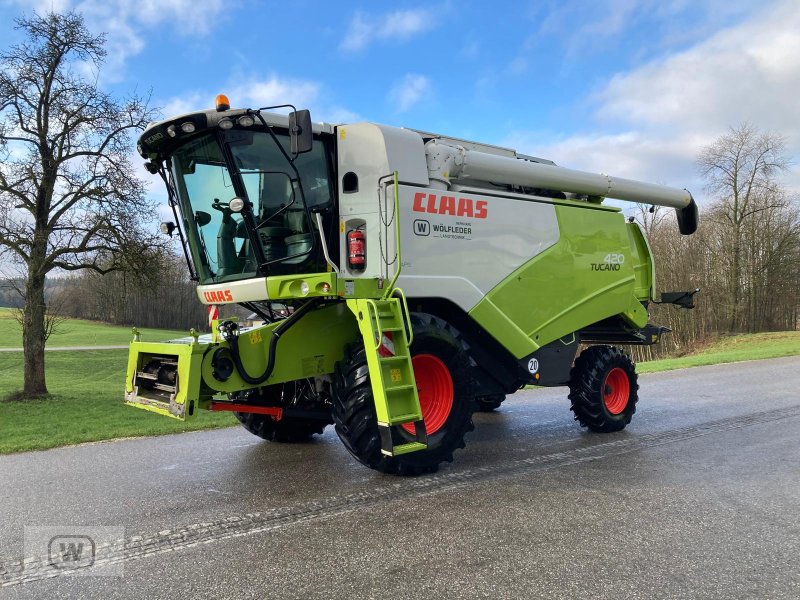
x=205, y=182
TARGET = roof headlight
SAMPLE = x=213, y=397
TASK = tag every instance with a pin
x=236, y=205
x=171, y=131
x=225, y=124
x=246, y=121
x=188, y=127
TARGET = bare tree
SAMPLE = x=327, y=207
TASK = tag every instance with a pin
x=740, y=168
x=69, y=195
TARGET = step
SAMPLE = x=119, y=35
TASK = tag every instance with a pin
x=404, y=449
x=399, y=388
x=403, y=419
x=393, y=359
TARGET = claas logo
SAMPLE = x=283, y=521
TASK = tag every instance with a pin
x=220, y=296
x=450, y=205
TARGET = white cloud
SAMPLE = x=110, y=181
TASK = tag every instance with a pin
x=276, y=90
x=655, y=118
x=253, y=92
x=592, y=24
x=395, y=26
x=409, y=91
x=745, y=73
x=125, y=22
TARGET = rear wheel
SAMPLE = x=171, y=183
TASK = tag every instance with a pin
x=442, y=371
x=300, y=394
x=490, y=403
x=603, y=389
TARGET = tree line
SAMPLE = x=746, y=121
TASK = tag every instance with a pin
x=166, y=298
x=745, y=256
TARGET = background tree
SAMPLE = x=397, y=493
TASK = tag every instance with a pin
x=69, y=195
x=740, y=168
x=745, y=256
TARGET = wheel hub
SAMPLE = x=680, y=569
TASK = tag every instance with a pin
x=435, y=389
x=616, y=391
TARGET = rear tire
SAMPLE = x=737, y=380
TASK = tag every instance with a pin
x=603, y=389
x=285, y=430
x=354, y=407
x=490, y=403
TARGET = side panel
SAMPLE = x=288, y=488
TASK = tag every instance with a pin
x=586, y=277
x=460, y=245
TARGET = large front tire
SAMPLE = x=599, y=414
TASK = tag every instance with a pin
x=446, y=388
x=603, y=389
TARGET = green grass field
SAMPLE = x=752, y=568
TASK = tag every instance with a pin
x=87, y=387
x=731, y=348
x=76, y=332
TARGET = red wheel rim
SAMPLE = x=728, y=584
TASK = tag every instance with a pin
x=616, y=390
x=435, y=388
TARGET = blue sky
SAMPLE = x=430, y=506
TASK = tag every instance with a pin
x=629, y=87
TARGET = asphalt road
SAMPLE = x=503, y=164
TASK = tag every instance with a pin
x=698, y=498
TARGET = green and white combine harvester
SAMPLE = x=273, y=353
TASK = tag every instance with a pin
x=405, y=279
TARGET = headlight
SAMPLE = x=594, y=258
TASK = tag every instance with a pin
x=225, y=124
x=188, y=127
x=236, y=205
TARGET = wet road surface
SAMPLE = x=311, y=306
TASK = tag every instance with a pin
x=698, y=498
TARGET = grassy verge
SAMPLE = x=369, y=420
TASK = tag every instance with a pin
x=86, y=404
x=76, y=332
x=732, y=348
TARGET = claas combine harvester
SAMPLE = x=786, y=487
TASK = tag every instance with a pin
x=405, y=279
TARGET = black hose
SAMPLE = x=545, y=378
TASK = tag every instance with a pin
x=233, y=341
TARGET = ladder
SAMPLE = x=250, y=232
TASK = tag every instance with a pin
x=386, y=330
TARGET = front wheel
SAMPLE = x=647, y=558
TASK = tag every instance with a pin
x=603, y=389
x=442, y=372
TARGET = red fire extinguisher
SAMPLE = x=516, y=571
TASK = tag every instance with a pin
x=356, y=250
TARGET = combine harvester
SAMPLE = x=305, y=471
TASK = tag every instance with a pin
x=419, y=278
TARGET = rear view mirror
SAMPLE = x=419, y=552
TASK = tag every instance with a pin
x=300, y=132
x=202, y=218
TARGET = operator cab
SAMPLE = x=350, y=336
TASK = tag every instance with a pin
x=246, y=186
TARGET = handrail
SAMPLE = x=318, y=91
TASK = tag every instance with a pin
x=325, y=244
x=399, y=260
x=374, y=308
x=408, y=332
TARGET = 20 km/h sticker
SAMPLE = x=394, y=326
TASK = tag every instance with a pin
x=533, y=365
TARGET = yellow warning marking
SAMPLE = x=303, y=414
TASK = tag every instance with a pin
x=396, y=375
x=341, y=226
x=255, y=337
x=342, y=133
